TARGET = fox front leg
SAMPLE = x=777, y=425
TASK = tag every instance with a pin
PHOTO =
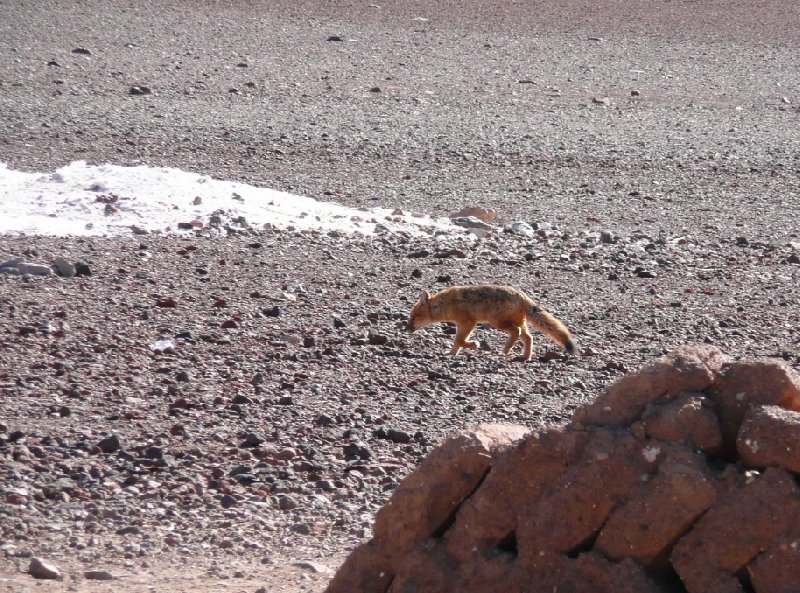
x=514, y=333
x=462, y=338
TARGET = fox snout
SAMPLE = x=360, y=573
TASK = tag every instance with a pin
x=410, y=328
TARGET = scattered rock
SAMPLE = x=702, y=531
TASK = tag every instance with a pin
x=482, y=214
x=40, y=569
x=110, y=444
x=471, y=222
x=98, y=575
x=139, y=90
x=64, y=267
x=82, y=269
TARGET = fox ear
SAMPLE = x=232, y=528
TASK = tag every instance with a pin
x=423, y=297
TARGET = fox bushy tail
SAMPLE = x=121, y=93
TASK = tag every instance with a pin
x=550, y=326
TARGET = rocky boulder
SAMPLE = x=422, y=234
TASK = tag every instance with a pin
x=679, y=477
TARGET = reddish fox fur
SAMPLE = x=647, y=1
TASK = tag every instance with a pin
x=502, y=307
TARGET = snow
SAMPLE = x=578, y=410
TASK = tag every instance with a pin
x=82, y=199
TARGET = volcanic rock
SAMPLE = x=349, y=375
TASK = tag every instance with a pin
x=635, y=495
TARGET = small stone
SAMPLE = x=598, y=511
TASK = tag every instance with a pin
x=484, y=214
x=109, y=444
x=419, y=254
x=335, y=38
x=227, y=501
x=642, y=273
x=605, y=101
x=34, y=269
x=313, y=567
x=251, y=439
x=64, y=268
x=377, y=339
x=324, y=420
x=82, y=269
x=82, y=51
x=471, y=222
x=271, y=312
x=98, y=575
x=182, y=377
x=356, y=450
x=230, y=324
x=287, y=503
x=398, y=436
x=635, y=93
x=607, y=237
x=523, y=229
x=167, y=303
x=338, y=323
x=139, y=90
x=39, y=569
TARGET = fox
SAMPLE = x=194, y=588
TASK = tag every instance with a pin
x=503, y=307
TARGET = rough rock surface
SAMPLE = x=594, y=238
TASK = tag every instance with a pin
x=770, y=435
x=640, y=503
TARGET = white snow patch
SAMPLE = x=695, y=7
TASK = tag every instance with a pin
x=81, y=199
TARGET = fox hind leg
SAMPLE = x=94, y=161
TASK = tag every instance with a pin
x=514, y=334
x=462, y=338
x=528, y=342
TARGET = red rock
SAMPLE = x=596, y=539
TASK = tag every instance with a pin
x=484, y=214
x=747, y=383
x=575, y=506
x=778, y=569
x=366, y=570
x=651, y=521
x=689, y=420
x=423, y=504
x=770, y=435
x=743, y=523
x=687, y=368
x=517, y=480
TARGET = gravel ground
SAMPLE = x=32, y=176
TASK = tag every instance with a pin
x=656, y=152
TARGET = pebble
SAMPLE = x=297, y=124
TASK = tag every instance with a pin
x=64, y=267
x=40, y=569
x=109, y=444
x=98, y=575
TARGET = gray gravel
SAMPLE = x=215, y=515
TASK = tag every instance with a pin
x=292, y=402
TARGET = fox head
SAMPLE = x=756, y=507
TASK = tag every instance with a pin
x=420, y=314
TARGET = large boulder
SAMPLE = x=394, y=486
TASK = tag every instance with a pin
x=770, y=435
x=688, y=368
x=679, y=477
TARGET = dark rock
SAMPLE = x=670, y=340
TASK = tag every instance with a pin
x=82, y=268
x=98, y=575
x=41, y=569
x=139, y=90
x=110, y=444
x=227, y=501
